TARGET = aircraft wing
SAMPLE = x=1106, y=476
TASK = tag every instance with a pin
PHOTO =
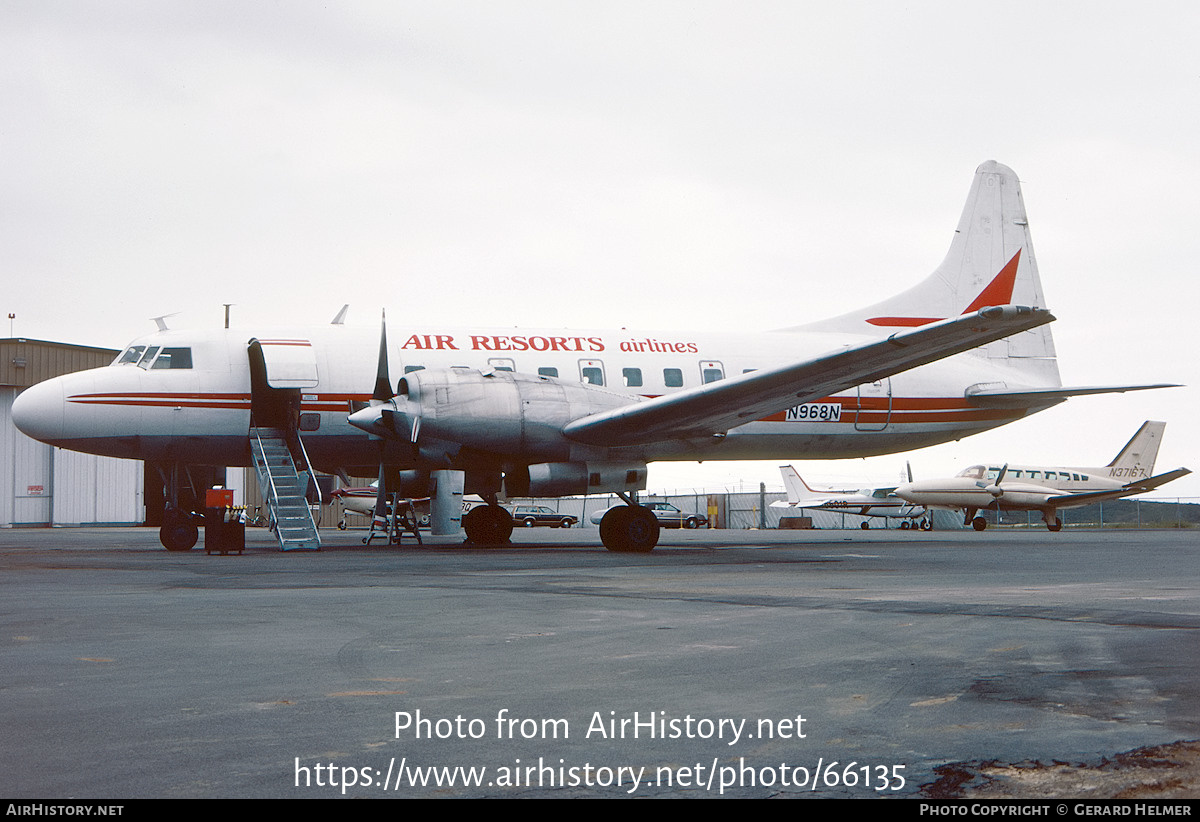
x=1129, y=489
x=718, y=406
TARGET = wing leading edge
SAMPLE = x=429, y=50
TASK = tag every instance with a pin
x=718, y=406
x=1127, y=490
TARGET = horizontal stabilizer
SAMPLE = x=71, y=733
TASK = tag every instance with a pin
x=1022, y=396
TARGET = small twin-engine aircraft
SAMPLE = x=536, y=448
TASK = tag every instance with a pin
x=865, y=502
x=1027, y=488
x=543, y=413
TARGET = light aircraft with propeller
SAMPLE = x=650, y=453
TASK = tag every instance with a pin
x=1045, y=489
x=864, y=502
x=504, y=412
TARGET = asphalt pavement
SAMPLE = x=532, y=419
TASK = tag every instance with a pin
x=746, y=664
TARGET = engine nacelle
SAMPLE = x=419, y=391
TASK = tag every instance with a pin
x=500, y=412
x=556, y=479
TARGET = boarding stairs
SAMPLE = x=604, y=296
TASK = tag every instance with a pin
x=285, y=490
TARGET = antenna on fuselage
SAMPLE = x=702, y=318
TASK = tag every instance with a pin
x=161, y=322
x=227, y=307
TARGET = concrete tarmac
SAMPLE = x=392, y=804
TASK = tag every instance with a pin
x=745, y=664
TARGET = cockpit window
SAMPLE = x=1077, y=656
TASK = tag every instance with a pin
x=148, y=357
x=130, y=355
x=974, y=472
x=174, y=358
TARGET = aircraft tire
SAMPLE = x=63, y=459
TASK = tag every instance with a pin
x=979, y=523
x=1056, y=525
x=178, y=532
x=488, y=525
x=631, y=529
x=926, y=525
x=866, y=526
x=904, y=526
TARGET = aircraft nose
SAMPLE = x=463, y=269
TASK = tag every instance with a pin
x=38, y=411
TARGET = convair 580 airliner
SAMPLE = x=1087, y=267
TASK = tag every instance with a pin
x=550, y=412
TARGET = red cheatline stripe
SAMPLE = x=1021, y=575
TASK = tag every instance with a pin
x=852, y=415
x=868, y=409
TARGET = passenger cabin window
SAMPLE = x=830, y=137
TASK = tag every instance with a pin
x=546, y=371
x=673, y=377
x=632, y=377
x=173, y=358
x=711, y=372
x=591, y=372
x=502, y=364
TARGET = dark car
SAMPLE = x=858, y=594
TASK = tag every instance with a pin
x=531, y=515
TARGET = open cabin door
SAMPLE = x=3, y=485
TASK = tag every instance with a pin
x=279, y=369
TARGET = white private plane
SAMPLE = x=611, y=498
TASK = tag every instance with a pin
x=864, y=502
x=1046, y=489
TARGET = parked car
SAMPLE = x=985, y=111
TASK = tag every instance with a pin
x=532, y=515
x=668, y=516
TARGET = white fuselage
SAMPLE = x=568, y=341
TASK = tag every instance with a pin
x=200, y=412
x=1023, y=487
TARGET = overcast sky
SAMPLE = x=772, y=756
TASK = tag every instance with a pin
x=719, y=165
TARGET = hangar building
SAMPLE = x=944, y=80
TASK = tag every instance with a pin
x=41, y=485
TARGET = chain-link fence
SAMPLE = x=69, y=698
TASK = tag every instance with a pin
x=745, y=510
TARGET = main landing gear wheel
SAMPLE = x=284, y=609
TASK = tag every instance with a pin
x=629, y=528
x=979, y=523
x=178, y=532
x=1056, y=525
x=488, y=525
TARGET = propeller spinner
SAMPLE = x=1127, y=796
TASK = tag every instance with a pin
x=387, y=415
x=383, y=418
x=994, y=488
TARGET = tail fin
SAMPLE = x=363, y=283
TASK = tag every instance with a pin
x=797, y=488
x=1136, y=459
x=990, y=262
